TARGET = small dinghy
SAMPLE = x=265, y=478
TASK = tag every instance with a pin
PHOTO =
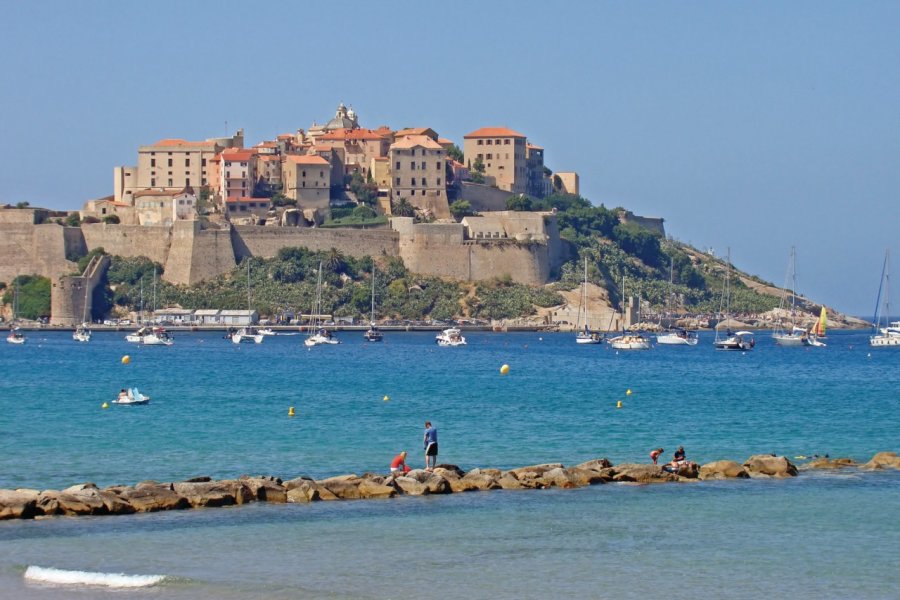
x=132, y=396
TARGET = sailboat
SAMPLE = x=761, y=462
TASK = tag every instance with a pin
x=585, y=336
x=889, y=334
x=316, y=335
x=15, y=335
x=629, y=341
x=82, y=333
x=247, y=334
x=373, y=334
x=675, y=336
x=740, y=340
x=797, y=336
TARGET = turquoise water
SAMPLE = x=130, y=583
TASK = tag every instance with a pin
x=221, y=410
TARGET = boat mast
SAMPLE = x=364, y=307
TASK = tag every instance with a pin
x=584, y=295
x=372, y=315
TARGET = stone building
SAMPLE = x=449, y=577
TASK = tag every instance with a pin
x=358, y=146
x=503, y=153
x=162, y=207
x=237, y=173
x=418, y=173
x=307, y=179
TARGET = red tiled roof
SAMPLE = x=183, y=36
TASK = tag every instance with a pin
x=534, y=146
x=444, y=141
x=285, y=136
x=235, y=155
x=354, y=134
x=413, y=141
x=306, y=159
x=266, y=145
x=486, y=132
x=412, y=131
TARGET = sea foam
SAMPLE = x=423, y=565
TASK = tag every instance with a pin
x=111, y=580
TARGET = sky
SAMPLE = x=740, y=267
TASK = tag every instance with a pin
x=755, y=126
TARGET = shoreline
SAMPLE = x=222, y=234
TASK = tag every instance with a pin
x=199, y=492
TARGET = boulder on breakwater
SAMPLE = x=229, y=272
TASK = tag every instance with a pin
x=201, y=492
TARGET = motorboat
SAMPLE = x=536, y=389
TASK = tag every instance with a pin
x=586, y=336
x=150, y=336
x=678, y=337
x=266, y=331
x=373, y=334
x=247, y=335
x=796, y=337
x=15, y=336
x=450, y=337
x=630, y=341
x=131, y=396
x=741, y=340
x=321, y=337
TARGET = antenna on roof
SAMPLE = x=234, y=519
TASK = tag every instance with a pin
x=226, y=127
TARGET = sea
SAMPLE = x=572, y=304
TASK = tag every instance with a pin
x=221, y=410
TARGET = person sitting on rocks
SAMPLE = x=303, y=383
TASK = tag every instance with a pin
x=678, y=458
x=655, y=454
x=399, y=466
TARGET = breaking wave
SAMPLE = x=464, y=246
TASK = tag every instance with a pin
x=110, y=580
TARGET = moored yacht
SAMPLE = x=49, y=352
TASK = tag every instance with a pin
x=450, y=337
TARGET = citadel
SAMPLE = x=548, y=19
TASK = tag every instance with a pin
x=200, y=207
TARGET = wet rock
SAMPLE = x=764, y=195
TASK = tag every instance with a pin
x=411, y=486
x=53, y=502
x=264, y=489
x=18, y=504
x=373, y=491
x=477, y=481
x=883, y=460
x=595, y=465
x=213, y=493
x=581, y=476
x=149, y=498
x=766, y=465
x=642, y=473
x=723, y=469
x=508, y=481
x=308, y=490
x=452, y=470
x=433, y=481
x=830, y=463
x=297, y=482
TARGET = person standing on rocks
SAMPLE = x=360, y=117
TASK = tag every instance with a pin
x=655, y=454
x=431, y=446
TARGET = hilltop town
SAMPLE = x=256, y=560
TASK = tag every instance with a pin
x=489, y=211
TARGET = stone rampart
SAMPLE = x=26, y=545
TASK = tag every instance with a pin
x=197, y=254
x=255, y=240
x=28, y=249
x=71, y=296
x=129, y=240
x=484, y=198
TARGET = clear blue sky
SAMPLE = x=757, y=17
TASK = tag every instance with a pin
x=752, y=125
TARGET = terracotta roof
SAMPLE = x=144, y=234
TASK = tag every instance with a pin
x=234, y=155
x=266, y=145
x=457, y=164
x=285, y=136
x=379, y=158
x=534, y=147
x=323, y=148
x=412, y=131
x=355, y=134
x=180, y=142
x=444, y=141
x=268, y=157
x=413, y=141
x=486, y=132
x=142, y=193
x=306, y=159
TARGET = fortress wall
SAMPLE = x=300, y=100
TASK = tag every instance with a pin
x=129, y=240
x=71, y=296
x=28, y=249
x=197, y=254
x=484, y=198
x=256, y=240
x=528, y=264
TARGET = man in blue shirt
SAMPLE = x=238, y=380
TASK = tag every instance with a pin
x=431, y=446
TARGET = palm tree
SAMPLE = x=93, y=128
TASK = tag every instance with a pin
x=402, y=208
x=334, y=260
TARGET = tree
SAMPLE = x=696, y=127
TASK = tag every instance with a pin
x=455, y=153
x=557, y=183
x=33, y=296
x=520, y=203
x=365, y=191
x=203, y=200
x=460, y=209
x=22, y=204
x=402, y=208
x=73, y=220
x=111, y=219
x=335, y=260
x=476, y=174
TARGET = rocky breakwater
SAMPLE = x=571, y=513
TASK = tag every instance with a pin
x=201, y=492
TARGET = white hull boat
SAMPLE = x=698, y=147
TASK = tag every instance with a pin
x=247, y=335
x=889, y=335
x=742, y=340
x=150, y=337
x=677, y=338
x=82, y=334
x=15, y=337
x=267, y=332
x=634, y=341
x=132, y=397
x=589, y=337
x=450, y=337
x=320, y=339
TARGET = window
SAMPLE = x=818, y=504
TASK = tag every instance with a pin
x=321, y=174
x=187, y=162
x=412, y=165
x=480, y=142
x=397, y=183
x=438, y=165
x=506, y=142
x=481, y=156
x=152, y=182
x=423, y=165
x=412, y=152
x=152, y=162
x=243, y=164
x=398, y=165
x=489, y=142
x=414, y=182
x=187, y=181
x=439, y=181
x=203, y=181
x=170, y=183
x=490, y=156
x=170, y=162
x=412, y=192
x=398, y=191
x=424, y=182
x=187, y=173
x=303, y=173
x=202, y=162
x=228, y=174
